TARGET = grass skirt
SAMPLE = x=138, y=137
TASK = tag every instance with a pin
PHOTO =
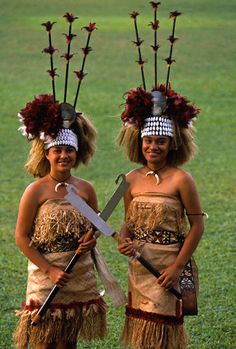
x=83, y=321
x=139, y=333
x=77, y=311
x=154, y=316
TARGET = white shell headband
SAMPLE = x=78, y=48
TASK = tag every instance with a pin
x=64, y=137
x=157, y=126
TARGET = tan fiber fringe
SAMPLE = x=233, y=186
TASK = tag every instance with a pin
x=112, y=287
x=62, y=325
x=143, y=334
x=55, y=221
x=148, y=218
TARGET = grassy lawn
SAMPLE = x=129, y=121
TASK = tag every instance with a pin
x=204, y=71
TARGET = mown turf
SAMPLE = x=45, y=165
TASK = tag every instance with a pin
x=204, y=71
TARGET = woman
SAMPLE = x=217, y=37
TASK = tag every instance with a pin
x=157, y=134
x=49, y=229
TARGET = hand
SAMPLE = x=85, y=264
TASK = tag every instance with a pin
x=170, y=276
x=87, y=246
x=126, y=247
x=58, y=276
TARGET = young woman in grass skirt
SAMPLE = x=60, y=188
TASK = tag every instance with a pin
x=48, y=231
x=158, y=136
x=157, y=133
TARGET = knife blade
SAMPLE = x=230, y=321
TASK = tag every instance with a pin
x=75, y=200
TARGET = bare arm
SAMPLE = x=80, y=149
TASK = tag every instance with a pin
x=190, y=199
x=191, y=202
x=126, y=247
x=27, y=210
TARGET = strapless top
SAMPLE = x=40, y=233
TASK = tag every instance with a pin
x=58, y=226
x=155, y=211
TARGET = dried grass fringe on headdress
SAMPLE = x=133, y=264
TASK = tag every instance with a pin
x=38, y=165
x=183, y=147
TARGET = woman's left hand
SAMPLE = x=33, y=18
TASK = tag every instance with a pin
x=87, y=246
x=170, y=276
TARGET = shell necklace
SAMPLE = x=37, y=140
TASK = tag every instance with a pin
x=60, y=183
x=155, y=173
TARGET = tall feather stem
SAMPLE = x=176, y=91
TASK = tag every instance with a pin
x=140, y=55
x=67, y=63
x=172, y=40
x=82, y=69
x=52, y=66
x=155, y=51
x=138, y=44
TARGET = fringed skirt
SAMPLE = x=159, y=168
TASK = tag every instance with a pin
x=154, y=318
x=77, y=311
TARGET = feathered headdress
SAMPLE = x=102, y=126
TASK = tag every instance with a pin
x=150, y=110
x=41, y=117
x=44, y=117
x=139, y=106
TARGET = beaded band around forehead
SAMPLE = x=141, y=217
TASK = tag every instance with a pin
x=64, y=137
x=157, y=126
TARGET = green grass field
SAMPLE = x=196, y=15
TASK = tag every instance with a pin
x=204, y=71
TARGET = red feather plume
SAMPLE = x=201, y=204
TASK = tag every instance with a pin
x=42, y=115
x=178, y=107
x=138, y=106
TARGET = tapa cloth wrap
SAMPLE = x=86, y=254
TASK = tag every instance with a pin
x=78, y=310
x=154, y=317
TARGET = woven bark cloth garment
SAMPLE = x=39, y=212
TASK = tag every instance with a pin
x=78, y=310
x=154, y=318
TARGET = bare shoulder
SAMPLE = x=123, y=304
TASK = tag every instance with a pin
x=132, y=175
x=185, y=186
x=86, y=191
x=182, y=177
x=83, y=184
x=32, y=196
x=34, y=189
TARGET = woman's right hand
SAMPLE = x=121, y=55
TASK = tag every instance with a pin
x=126, y=247
x=58, y=276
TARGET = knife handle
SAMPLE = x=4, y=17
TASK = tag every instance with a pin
x=88, y=236
x=117, y=237
x=37, y=317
